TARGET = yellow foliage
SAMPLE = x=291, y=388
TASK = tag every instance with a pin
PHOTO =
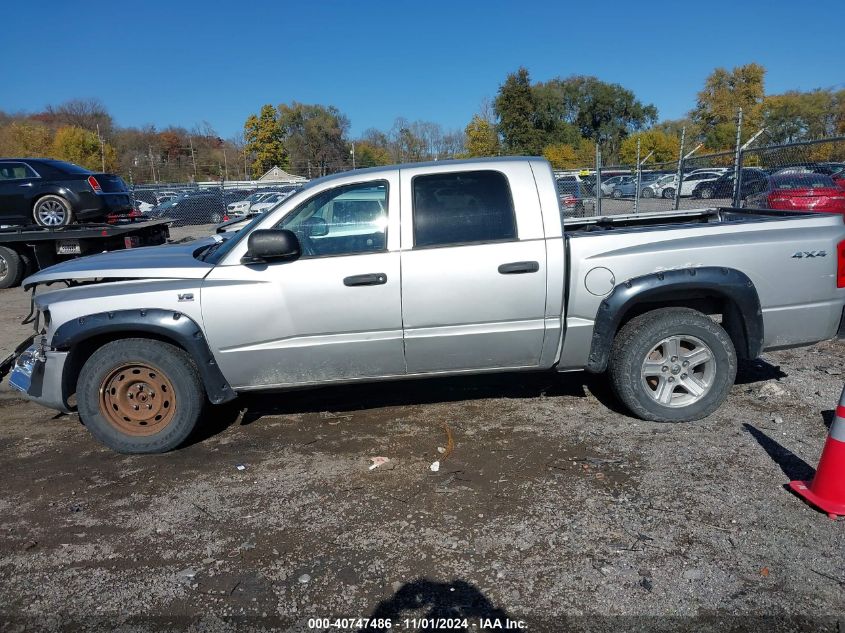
x=82, y=147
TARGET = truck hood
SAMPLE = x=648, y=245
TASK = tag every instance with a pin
x=171, y=261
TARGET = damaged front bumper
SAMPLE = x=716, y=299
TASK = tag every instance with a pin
x=38, y=374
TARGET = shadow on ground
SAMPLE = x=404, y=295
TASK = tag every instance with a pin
x=435, y=602
x=792, y=466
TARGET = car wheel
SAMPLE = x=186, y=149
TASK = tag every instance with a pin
x=672, y=365
x=11, y=267
x=647, y=193
x=668, y=193
x=52, y=211
x=140, y=395
x=216, y=217
x=616, y=194
x=706, y=193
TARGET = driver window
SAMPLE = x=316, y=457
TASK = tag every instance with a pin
x=346, y=220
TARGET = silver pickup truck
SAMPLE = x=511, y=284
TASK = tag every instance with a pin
x=428, y=269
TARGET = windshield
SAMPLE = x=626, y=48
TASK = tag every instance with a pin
x=803, y=181
x=170, y=202
x=217, y=252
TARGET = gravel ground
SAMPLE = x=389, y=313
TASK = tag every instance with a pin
x=554, y=510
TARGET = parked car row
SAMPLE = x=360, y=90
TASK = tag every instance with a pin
x=210, y=205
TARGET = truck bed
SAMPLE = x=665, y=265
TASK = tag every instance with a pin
x=789, y=256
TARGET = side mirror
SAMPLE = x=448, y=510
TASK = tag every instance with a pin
x=271, y=244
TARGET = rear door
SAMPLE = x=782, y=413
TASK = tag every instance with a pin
x=473, y=268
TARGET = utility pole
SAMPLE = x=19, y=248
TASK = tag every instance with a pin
x=193, y=158
x=152, y=165
x=102, y=148
x=352, y=151
x=738, y=162
x=639, y=180
x=679, y=177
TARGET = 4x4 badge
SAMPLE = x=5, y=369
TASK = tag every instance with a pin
x=808, y=254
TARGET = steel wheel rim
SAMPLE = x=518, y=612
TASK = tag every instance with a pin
x=137, y=399
x=679, y=371
x=4, y=267
x=51, y=213
x=706, y=194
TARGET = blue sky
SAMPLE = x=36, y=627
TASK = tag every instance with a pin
x=183, y=62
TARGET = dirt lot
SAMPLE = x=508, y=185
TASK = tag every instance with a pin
x=554, y=509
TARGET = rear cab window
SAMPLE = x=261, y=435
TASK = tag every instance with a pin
x=460, y=208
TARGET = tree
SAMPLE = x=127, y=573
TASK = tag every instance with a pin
x=25, y=139
x=587, y=107
x=481, y=138
x=725, y=91
x=315, y=138
x=796, y=116
x=561, y=156
x=516, y=110
x=88, y=114
x=265, y=140
x=665, y=147
x=369, y=155
x=82, y=147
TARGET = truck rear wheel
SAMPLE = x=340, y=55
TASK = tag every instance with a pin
x=140, y=395
x=11, y=267
x=672, y=365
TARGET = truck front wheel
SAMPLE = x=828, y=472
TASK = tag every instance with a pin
x=672, y=365
x=140, y=395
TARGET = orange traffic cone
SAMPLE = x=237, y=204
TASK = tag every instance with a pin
x=827, y=490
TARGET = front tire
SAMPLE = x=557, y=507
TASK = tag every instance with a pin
x=672, y=365
x=140, y=395
x=52, y=212
x=616, y=194
x=706, y=193
x=668, y=193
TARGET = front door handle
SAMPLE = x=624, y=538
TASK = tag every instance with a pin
x=518, y=268
x=370, y=279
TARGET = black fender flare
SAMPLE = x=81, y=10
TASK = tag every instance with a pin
x=728, y=283
x=167, y=324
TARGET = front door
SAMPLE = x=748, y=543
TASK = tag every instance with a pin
x=334, y=314
x=473, y=278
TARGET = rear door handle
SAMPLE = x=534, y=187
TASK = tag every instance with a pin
x=370, y=279
x=518, y=268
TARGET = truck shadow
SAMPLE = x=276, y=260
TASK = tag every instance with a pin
x=419, y=391
x=757, y=370
x=341, y=399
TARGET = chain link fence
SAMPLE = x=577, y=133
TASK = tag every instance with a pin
x=207, y=203
x=805, y=176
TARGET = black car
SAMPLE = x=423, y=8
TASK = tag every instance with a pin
x=206, y=207
x=54, y=193
x=753, y=181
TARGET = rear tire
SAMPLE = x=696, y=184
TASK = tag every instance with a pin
x=12, y=267
x=52, y=212
x=616, y=194
x=647, y=368
x=647, y=193
x=140, y=395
